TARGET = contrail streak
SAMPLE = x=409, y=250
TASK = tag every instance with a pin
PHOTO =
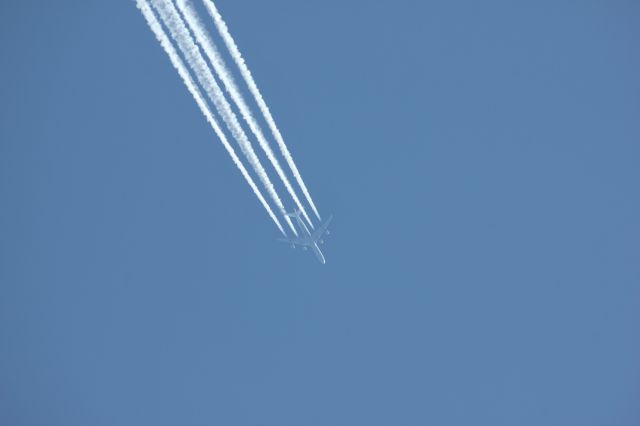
x=253, y=88
x=209, y=47
x=181, y=35
x=166, y=44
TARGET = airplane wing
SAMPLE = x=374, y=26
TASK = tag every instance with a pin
x=317, y=234
x=297, y=241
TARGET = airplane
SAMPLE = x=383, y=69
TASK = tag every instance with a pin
x=308, y=239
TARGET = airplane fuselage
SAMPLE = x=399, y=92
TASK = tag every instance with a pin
x=318, y=253
x=309, y=240
x=306, y=238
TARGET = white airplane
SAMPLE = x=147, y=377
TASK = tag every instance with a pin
x=306, y=238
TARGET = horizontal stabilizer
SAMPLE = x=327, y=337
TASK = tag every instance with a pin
x=295, y=213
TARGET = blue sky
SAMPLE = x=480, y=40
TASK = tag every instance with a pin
x=481, y=162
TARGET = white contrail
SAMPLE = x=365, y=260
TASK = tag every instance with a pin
x=209, y=47
x=187, y=45
x=166, y=44
x=246, y=74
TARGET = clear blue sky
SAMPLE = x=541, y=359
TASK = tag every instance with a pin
x=482, y=164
